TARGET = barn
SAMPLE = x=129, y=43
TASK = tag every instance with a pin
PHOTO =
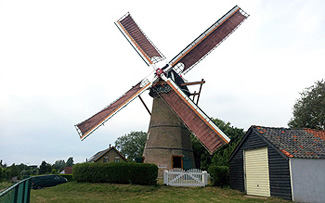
x=280, y=162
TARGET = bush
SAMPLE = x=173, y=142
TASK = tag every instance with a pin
x=219, y=175
x=5, y=174
x=53, y=171
x=25, y=176
x=69, y=177
x=134, y=173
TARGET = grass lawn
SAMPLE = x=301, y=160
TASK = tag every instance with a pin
x=4, y=185
x=106, y=192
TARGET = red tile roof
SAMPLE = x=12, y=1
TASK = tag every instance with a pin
x=68, y=170
x=317, y=133
x=295, y=143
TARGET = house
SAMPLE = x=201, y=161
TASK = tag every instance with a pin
x=67, y=170
x=281, y=162
x=110, y=154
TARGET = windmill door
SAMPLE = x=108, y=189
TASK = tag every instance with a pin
x=257, y=172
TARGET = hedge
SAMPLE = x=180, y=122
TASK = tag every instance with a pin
x=69, y=177
x=134, y=173
x=219, y=175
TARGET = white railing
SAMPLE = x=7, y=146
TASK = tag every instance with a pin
x=191, y=178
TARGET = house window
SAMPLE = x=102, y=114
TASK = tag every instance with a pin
x=177, y=161
x=117, y=159
x=105, y=160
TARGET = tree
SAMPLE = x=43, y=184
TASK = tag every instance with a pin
x=14, y=170
x=34, y=171
x=59, y=165
x=132, y=144
x=45, y=168
x=220, y=158
x=3, y=165
x=69, y=162
x=54, y=171
x=309, y=110
x=6, y=173
x=1, y=173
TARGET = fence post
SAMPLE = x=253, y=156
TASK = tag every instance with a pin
x=16, y=189
x=165, y=177
x=29, y=184
x=204, y=177
x=23, y=192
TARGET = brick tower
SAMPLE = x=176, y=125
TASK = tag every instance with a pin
x=168, y=142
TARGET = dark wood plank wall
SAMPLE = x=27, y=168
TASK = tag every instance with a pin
x=278, y=167
x=279, y=173
x=236, y=165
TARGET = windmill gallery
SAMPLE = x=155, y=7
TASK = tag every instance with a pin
x=175, y=113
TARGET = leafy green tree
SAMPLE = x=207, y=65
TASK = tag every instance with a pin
x=14, y=170
x=1, y=174
x=22, y=166
x=6, y=173
x=45, y=168
x=3, y=165
x=221, y=156
x=132, y=144
x=69, y=162
x=309, y=109
x=59, y=165
x=25, y=173
x=34, y=171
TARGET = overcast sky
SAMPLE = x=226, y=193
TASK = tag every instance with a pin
x=62, y=61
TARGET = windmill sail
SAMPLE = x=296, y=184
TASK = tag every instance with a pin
x=195, y=119
x=140, y=42
x=88, y=126
x=209, y=40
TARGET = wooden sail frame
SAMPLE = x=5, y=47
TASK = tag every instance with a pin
x=139, y=40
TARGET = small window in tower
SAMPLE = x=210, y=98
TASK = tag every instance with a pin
x=177, y=161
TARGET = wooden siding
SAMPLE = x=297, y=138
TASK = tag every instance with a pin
x=278, y=166
x=279, y=175
x=236, y=165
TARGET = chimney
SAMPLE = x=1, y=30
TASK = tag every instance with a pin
x=109, y=145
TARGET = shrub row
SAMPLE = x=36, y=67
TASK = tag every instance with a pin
x=219, y=175
x=134, y=173
x=69, y=177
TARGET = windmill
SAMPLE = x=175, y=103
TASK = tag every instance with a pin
x=173, y=114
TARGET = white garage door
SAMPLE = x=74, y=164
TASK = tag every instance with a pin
x=257, y=172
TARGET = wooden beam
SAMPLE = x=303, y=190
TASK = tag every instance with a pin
x=198, y=97
x=194, y=83
x=144, y=104
x=194, y=94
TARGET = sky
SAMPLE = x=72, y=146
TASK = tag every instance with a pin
x=62, y=61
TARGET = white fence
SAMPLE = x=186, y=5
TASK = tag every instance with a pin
x=192, y=177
